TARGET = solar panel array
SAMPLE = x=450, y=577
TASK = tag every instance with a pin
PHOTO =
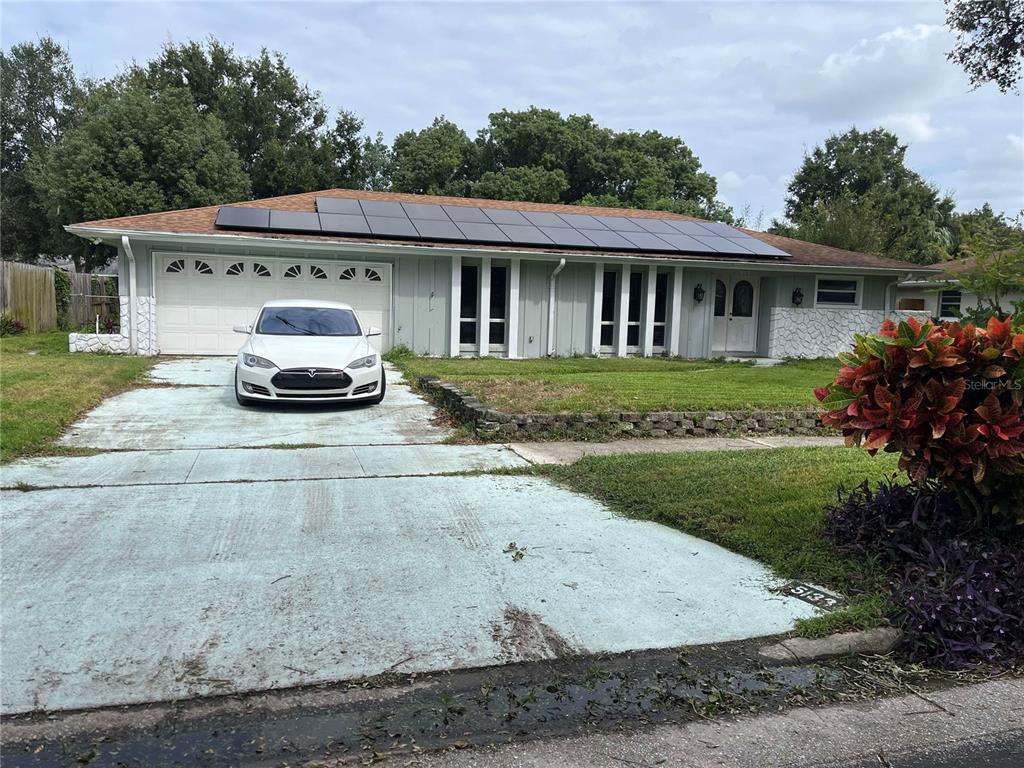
x=499, y=226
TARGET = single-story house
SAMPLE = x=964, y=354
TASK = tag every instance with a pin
x=939, y=294
x=450, y=276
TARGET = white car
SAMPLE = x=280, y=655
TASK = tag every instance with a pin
x=308, y=351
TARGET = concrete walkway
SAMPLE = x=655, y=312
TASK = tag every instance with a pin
x=571, y=452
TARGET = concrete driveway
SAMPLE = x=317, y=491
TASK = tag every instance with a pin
x=186, y=560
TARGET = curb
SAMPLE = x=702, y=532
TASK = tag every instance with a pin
x=872, y=642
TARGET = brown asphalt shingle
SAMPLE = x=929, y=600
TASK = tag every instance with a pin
x=200, y=221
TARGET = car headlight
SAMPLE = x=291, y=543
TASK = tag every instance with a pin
x=255, y=361
x=363, y=362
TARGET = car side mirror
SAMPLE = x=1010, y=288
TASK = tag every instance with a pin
x=373, y=331
x=242, y=329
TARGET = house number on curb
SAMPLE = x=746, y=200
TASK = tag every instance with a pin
x=812, y=595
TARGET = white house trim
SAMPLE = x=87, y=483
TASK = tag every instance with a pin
x=623, y=312
x=513, y=309
x=595, y=315
x=455, y=307
x=484, y=315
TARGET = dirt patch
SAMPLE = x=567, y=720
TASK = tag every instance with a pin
x=524, y=637
x=523, y=395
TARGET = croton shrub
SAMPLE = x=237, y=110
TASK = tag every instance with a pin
x=948, y=398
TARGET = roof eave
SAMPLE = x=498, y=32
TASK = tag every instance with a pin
x=102, y=233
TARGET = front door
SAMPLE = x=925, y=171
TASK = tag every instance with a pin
x=735, y=323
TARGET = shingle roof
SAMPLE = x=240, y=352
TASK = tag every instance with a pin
x=200, y=221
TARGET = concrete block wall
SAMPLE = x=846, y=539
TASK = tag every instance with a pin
x=819, y=332
x=120, y=343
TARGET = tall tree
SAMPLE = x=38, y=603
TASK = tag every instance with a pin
x=989, y=40
x=41, y=99
x=135, y=152
x=278, y=126
x=438, y=160
x=858, y=177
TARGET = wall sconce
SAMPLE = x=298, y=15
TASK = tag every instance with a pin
x=798, y=297
x=698, y=293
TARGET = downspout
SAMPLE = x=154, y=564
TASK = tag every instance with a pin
x=133, y=338
x=551, y=307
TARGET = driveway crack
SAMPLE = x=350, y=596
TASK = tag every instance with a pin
x=188, y=475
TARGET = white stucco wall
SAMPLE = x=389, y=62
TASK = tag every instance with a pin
x=120, y=343
x=823, y=332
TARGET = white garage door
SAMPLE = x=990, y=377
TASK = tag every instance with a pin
x=200, y=298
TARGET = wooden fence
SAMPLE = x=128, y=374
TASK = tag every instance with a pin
x=91, y=295
x=27, y=294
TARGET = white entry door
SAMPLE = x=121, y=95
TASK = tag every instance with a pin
x=199, y=298
x=735, y=320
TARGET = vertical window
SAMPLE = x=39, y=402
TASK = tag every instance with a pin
x=949, y=305
x=719, y=298
x=660, y=308
x=498, y=305
x=609, y=293
x=743, y=299
x=469, y=304
x=636, y=290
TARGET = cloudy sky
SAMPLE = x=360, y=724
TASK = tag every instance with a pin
x=748, y=85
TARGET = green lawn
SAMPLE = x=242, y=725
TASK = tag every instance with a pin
x=44, y=388
x=627, y=384
x=768, y=505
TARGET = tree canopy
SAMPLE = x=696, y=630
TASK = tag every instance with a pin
x=989, y=40
x=856, y=192
x=135, y=152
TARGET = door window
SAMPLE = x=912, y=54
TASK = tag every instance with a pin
x=742, y=299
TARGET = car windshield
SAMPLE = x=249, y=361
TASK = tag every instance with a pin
x=307, y=321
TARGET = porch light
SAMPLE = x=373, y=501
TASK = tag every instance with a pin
x=798, y=297
x=698, y=293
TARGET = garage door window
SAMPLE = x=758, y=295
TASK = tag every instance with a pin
x=295, y=270
x=348, y=273
x=317, y=273
x=202, y=268
x=235, y=270
x=260, y=270
x=178, y=265
x=372, y=275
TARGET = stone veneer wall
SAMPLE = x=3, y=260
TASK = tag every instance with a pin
x=822, y=332
x=491, y=424
x=120, y=343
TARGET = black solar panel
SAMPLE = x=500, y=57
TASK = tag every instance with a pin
x=465, y=213
x=645, y=241
x=388, y=226
x=377, y=208
x=230, y=217
x=525, y=234
x=294, y=221
x=546, y=219
x=425, y=211
x=499, y=216
x=619, y=224
x=604, y=238
x=482, y=233
x=344, y=224
x=441, y=230
x=458, y=223
x=571, y=238
x=338, y=205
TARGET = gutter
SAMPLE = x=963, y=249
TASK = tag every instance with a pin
x=551, y=307
x=396, y=249
x=133, y=292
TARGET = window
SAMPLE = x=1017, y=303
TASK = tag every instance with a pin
x=949, y=305
x=498, y=305
x=202, y=268
x=372, y=275
x=317, y=273
x=178, y=265
x=348, y=273
x=743, y=299
x=837, y=292
x=660, y=308
x=469, y=304
x=234, y=270
x=295, y=270
x=719, y=298
x=633, y=312
x=609, y=295
x=260, y=270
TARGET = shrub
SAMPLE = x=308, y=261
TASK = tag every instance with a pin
x=10, y=326
x=62, y=289
x=947, y=398
x=399, y=354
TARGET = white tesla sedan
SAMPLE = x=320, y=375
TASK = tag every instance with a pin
x=308, y=351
